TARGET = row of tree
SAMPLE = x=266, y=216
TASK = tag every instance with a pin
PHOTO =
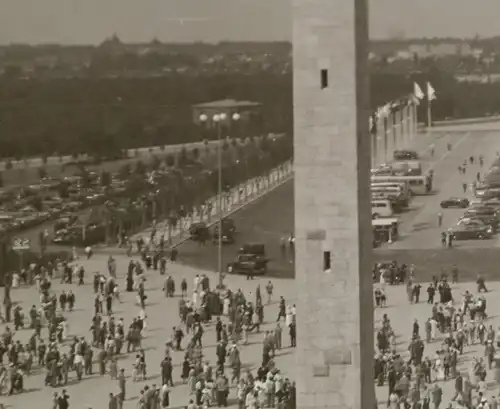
x=103, y=116
x=186, y=188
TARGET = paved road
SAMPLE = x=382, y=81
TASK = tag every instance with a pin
x=162, y=315
x=419, y=228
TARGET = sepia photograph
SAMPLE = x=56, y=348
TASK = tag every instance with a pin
x=184, y=204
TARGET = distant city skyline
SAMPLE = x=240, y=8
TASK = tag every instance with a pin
x=91, y=21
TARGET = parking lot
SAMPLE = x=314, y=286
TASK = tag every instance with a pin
x=27, y=211
x=419, y=228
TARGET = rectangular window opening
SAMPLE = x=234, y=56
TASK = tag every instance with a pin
x=324, y=79
x=327, y=263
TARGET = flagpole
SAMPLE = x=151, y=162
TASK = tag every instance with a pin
x=393, y=129
x=375, y=138
x=429, y=112
x=386, y=136
x=374, y=149
x=414, y=121
x=398, y=129
x=380, y=131
x=406, y=126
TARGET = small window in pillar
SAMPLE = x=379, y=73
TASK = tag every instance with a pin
x=327, y=263
x=324, y=78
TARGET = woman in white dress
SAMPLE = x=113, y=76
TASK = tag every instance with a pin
x=382, y=279
x=434, y=325
x=289, y=316
x=225, y=307
x=65, y=329
x=439, y=369
x=142, y=317
x=393, y=401
x=15, y=280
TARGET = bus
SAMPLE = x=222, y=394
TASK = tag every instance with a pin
x=402, y=185
x=407, y=168
x=418, y=185
x=401, y=199
x=381, y=208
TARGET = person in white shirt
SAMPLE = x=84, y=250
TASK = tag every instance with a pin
x=88, y=252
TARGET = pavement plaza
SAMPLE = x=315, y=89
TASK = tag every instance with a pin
x=163, y=315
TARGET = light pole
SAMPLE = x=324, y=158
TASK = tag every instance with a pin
x=219, y=119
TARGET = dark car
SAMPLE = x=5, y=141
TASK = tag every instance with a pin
x=459, y=202
x=228, y=231
x=257, y=249
x=404, y=154
x=478, y=222
x=490, y=216
x=199, y=232
x=228, y=225
x=486, y=193
x=248, y=264
x=471, y=232
x=227, y=237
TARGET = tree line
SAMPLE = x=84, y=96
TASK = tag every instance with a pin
x=104, y=115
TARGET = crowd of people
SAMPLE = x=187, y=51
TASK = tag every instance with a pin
x=67, y=358
x=456, y=323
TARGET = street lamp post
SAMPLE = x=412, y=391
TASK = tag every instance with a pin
x=219, y=119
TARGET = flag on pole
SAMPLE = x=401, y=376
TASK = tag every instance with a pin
x=417, y=92
x=431, y=92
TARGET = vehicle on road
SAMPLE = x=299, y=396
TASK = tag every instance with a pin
x=257, y=249
x=458, y=202
x=470, y=232
x=227, y=224
x=248, y=264
x=228, y=231
x=418, y=185
x=199, y=232
x=402, y=154
x=251, y=260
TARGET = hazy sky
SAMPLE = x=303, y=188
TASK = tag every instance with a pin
x=90, y=21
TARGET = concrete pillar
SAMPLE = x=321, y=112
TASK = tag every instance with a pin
x=332, y=205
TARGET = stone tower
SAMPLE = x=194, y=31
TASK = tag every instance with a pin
x=332, y=205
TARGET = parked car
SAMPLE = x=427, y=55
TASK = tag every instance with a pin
x=490, y=216
x=471, y=232
x=459, y=202
x=404, y=154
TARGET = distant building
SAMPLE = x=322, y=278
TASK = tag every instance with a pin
x=440, y=49
x=248, y=111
